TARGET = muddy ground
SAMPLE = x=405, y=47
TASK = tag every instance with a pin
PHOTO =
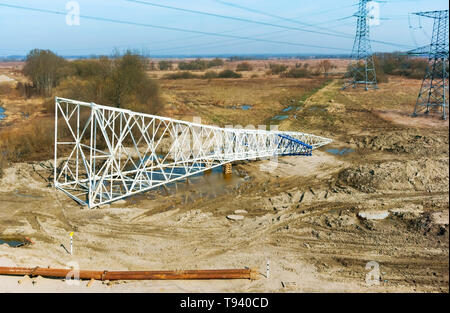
x=319, y=220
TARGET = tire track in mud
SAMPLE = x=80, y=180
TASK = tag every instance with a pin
x=343, y=254
x=347, y=251
x=258, y=233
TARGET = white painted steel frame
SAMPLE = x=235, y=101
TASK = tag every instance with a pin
x=113, y=153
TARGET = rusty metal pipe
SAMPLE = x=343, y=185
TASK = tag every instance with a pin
x=132, y=275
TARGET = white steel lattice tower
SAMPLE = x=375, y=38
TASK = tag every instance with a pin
x=362, y=67
x=103, y=154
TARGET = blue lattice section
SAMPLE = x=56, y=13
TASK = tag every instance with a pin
x=292, y=146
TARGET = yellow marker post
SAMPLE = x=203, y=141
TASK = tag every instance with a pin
x=71, y=243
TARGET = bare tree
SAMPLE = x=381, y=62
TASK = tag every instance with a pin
x=44, y=69
x=326, y=66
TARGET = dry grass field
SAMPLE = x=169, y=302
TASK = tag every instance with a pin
x=236, y=101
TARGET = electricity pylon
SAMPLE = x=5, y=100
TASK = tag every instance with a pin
x=103, y=154
x=362, y=67
x=434, y=89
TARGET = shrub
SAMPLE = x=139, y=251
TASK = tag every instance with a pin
x=148, y=98
x=77, y=88
x=165, y=65
x=210, y=75
x=402, y=65
x=181, y=75
x=128, y=86
x=325, y=66
x=382, y=77
x=25, y=90
x=151, y=66
x=34, y=141
x=276, y=68
x=215, y=62
x=229, y=74
x=297, y=72
x=92, y=68
x=196, y=65
x=45, y=69
x=244, y=66
x=199, y=64
x=5, y=88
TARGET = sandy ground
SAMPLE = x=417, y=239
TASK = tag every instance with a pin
x=312, y=236
x=319, y=220
x=433, y=119
x=6, y=79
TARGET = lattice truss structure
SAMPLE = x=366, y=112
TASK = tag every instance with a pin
x=434, y=90
x=103, y=154
x=362, y=67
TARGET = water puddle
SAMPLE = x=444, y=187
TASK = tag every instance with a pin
x=280, y=117
x=288, y=109
x=2, y=116
x=26, y=195
x=317, y=108
x=14, y=242
x=244, y=107
x=205, y=185
x=343, y=151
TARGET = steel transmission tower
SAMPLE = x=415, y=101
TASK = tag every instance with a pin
x=434, y=90
x=103, y=154
x=362, y=67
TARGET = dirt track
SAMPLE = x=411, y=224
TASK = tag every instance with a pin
x=305, y=217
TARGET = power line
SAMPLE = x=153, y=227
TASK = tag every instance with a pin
x=274, y=16
x=321, y=11
x=239, y=19
x=334, y=20
x=343, y=35
x=207, y=45
x=347, y=36
x=103, y=19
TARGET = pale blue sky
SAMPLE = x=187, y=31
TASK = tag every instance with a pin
x=22, y=30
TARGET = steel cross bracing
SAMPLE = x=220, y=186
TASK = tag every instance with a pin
x=103, y=153
x=434, y=89
x=362, y=67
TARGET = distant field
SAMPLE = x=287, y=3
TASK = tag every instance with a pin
x=235, y=101
x=260, y=67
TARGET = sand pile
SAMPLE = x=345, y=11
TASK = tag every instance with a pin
x=404, y=143
x=422, y=175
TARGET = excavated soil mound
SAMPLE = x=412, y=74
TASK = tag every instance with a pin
x=421, y=175
x=422, y=145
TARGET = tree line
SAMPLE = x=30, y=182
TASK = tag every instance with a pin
x=120, y=81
